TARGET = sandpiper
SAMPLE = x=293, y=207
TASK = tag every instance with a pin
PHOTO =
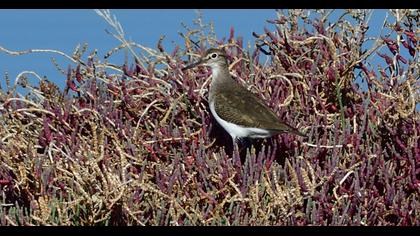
x=240, y=112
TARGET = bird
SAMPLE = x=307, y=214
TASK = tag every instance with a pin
x=239, y=111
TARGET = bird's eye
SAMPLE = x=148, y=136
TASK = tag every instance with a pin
x=214, y=55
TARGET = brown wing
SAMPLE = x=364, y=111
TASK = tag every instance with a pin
x=245, y=109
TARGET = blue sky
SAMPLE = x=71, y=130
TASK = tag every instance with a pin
x=64, y=29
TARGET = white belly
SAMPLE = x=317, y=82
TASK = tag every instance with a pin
x=237, y=131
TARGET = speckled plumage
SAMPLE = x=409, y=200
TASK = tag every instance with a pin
x=240, y=112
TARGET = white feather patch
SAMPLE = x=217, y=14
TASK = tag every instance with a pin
x=237, y=131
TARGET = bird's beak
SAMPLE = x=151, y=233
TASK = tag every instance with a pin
x=192, y=65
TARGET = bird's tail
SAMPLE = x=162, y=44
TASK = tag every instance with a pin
x=297, y=132
x=292, y=130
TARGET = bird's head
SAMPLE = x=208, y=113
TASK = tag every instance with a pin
x=214, y=58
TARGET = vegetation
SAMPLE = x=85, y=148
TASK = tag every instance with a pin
x=135, y=143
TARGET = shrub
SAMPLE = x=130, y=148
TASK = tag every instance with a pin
x=135, y=144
